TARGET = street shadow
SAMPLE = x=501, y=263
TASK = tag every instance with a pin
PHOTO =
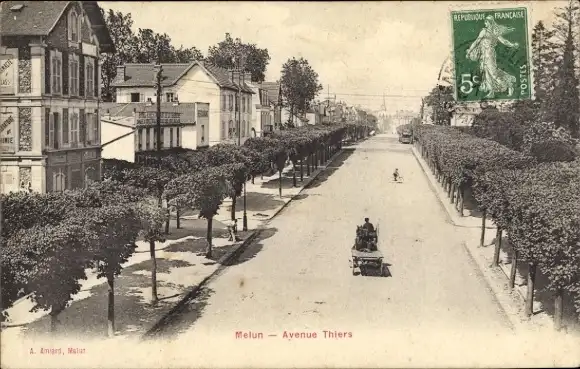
x=252, y=250
x=187, y=316
x=542, y=294
x=134, y=312
x=287, y=182
x=381, y=272
x=470, y=204
x=193, y=227
x=256, y=202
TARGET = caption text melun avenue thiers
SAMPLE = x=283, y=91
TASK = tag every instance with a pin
x=296, y=335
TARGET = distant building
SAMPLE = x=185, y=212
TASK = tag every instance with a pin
x=50, y=72
x=196, y=82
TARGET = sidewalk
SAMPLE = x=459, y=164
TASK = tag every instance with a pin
x=181, y=269
x=497, y=279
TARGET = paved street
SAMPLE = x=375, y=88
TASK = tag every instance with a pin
x=297, y=277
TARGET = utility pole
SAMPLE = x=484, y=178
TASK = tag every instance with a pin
x=159, y=74
x=240, y=69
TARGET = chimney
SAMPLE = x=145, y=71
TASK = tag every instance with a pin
x=235, y=76
x=120, y=77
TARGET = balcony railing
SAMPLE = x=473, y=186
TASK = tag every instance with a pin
x=150, y=118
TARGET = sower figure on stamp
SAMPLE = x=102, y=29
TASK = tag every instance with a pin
x=494, y=80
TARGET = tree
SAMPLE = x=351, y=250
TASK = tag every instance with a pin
x=440, y=99
x=119, y=26
x=187, y=55
x=152, y=218
x=204, y=191
x=227, y=54
x=50, y=260
x=566, y=105
x=299, y=85
x=116, y=229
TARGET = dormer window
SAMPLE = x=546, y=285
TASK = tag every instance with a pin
x=74, y=26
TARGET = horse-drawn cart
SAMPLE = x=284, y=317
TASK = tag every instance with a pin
x=365, y=253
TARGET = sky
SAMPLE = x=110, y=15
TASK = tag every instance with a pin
x=357, y=48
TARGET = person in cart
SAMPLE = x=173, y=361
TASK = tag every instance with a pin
x=370, y=235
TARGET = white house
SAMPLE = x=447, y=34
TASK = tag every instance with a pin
x=199, y=83
x=130, y=130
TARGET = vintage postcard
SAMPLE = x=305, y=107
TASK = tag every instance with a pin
x=290, y=184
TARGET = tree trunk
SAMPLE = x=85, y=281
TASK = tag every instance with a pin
x=308, y=161
x=301, y=169
x=558, y=310
x=513, y=270
x=111, y=306
x=458, y=193
x=280, y=182
x=54, y=323
x=294, y=175
x=530, y=294
x=177, y=217
x=253, y=179
x=452, y=195
x=483, y=218
x=498, y=237
x=449, y=187
x=208, y=251
x=168, y=214
x=461, y=199
x=233, y=209
x=154, y=297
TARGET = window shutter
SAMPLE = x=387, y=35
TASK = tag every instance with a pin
x=65, y=72
x=65, y=127
x=47, y=127
x=81, y=75
x=96, y=124
x=47, y=71
x=82, y=127
x=96, y=82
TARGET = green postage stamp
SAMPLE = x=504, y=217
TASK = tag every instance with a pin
x=490, y=50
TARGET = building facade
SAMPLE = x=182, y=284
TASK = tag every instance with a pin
x=199, y=83
x=130, y=130
x=50, y=88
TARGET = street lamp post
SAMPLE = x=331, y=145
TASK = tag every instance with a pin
x=240, y=68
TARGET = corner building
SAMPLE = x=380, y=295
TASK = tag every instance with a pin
x=50, y=89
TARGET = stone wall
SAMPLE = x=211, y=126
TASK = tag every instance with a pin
x=25, y=129
x=24, y=70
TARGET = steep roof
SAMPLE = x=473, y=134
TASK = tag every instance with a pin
x=187, y=110
x=38, y=18
x=143, y=74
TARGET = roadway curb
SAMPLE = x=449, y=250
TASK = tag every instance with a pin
x=227, y=258
x=493, y=283
x=451, y=215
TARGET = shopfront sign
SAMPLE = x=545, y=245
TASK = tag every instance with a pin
x=7, y=132
x=7, y=74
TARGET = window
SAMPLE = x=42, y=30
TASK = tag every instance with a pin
x=74, y=27
x=147, y=138
x=58, y=180
x=74, y=129
x=243, y=128
x=223, y=102
x=243, y=104
x=90, y=85
x=223, y=129
x=74, y=75
x=76, y=178
x=90, y=129
x=202, y=133
x=56, y=74
x=135, y=97
x=140, y=139
x=162, y=137
x=65, y=130
x=177, y=138
x=231, y=129
x=154, y=138
x=169, y=97
x=231, y=97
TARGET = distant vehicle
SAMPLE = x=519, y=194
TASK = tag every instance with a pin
x=405, y=137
